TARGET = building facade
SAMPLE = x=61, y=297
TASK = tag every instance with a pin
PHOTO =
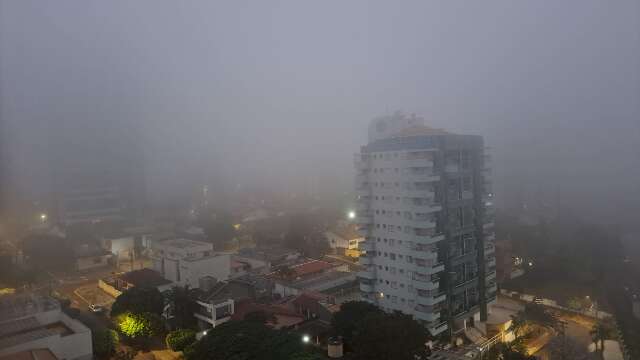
x=424, y=206
x=185, y=262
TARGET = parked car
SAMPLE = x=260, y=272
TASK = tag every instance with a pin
x=96, y=308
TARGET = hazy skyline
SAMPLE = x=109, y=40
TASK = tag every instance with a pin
x=282, y=92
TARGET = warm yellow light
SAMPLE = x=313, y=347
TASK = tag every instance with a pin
x=43, y=217
x=352, y=215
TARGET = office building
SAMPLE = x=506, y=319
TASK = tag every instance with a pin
x=425, y=209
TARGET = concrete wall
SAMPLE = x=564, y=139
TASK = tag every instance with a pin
x=92, y=262
x=218, y=266
x=113, y=292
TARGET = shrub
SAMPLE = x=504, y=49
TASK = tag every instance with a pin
x=178, y=340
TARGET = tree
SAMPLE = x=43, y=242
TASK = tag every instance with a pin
x=382, y=336
x=178, y=340
x=125, y=355
x=219, y=229
x=138, y=300
x=49, y=252
x=346, y=321
x=105, y=343
x=259, y=316
x=518, y=323
x=565, y=348
x=504, y=351
x=182, y=306
x=540, y=315
x=600, y=332
x=139, y=325
x=247, y=340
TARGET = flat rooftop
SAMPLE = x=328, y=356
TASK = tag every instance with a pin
x=29, y=329
x=21, y=305
x=183, y=243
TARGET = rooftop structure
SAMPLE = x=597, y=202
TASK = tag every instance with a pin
x=30, y=322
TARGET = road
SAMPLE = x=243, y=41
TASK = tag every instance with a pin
x=577, y=331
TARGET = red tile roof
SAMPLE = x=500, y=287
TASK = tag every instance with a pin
x=311, y=267
x=242, y=308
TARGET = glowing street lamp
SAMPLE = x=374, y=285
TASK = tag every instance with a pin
x=351, y=215
x=43, y=217
x=306, y=339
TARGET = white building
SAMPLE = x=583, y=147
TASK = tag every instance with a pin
x=345, y=239
x=184, y=262
x=31, y=322
x=423, y=206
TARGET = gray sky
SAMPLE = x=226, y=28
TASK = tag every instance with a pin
x=281, y=92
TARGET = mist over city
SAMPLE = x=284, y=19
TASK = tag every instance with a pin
x=309, y=176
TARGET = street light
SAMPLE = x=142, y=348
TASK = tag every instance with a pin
x=351, y=215
x=306, y=339
x=43, y=217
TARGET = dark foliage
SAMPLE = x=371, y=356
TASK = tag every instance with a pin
x=139, y=300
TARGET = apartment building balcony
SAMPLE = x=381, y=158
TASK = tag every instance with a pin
x=491, y=262
x=367, y=285
x=366, y=259
x=363, y=190
x=437, y=328
x=426, y=239
x=452, y=167
x=418, y=162
x=439, y=267
x=491, y=296
x=368, y=272
x=427, y=313
x=421, y=207
x=427, y=177
x=489, y=236
x=470, y=279
x=424, y=282
x=361, y=162
x=489, y=248
x=364, y=218
x=364, y=229
x=420, y=223
x=490, y=275
x=431, y=298
x=367, y=245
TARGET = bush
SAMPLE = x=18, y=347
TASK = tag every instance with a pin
x=178, y=340
x=105, y=343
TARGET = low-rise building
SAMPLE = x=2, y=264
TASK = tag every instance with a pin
x=117, y=284
x=91, y=257
x=275, y=255
x=32, y=323
x=217, y=300
x=184, y=261
x=315, y=275
x=243, y=265
x=344, y=239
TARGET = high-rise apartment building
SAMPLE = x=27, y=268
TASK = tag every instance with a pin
x=424, y=206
